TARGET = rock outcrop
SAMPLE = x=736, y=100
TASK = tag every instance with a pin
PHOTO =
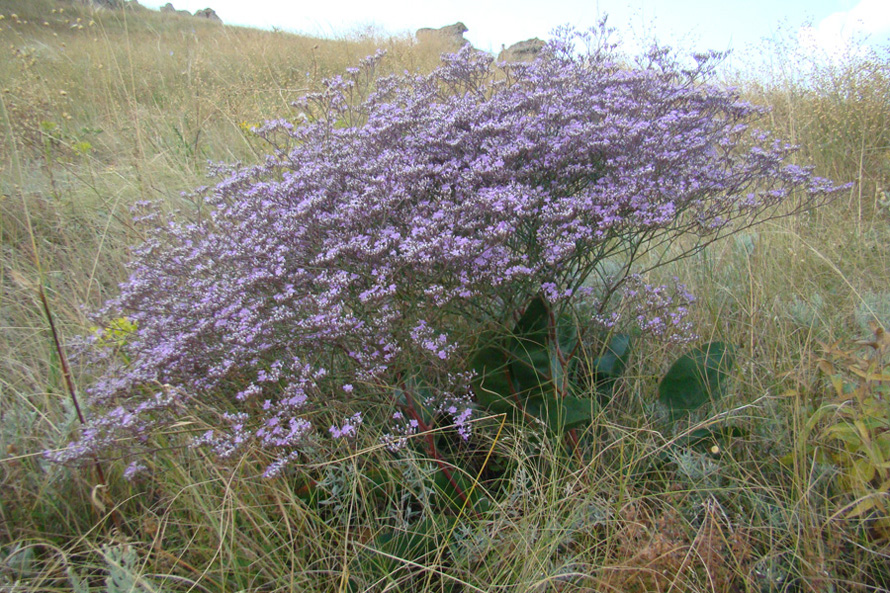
x=206, y=13
x=168, y=9
x=209, y=14
x=524, y=51
x=450, y=35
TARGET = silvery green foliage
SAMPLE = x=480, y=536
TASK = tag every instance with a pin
x=78, y=583
x=874, y=307
x=417, y=475
x=746, y=243
x=123, y=573
x=807, y=313
x=123, y=570
x=12, y=421
x=399, y=215
x=337, y=487
x=18, y=561
x=471, y=544
x=697, y=467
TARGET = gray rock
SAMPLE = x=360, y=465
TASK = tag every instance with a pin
x=524, y=51
x=209, y=14
x=451, y=35
x=168, y=8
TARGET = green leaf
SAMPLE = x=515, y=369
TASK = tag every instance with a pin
x=530, y=355
x=492, y=383
x=416, y=396
x=705, y=439
x=414, y=544
x=563, y=414
x=862, y=507
x=449, y=495
x=520, y=371
x=696, y=378
x=610, y=365
x=566, y=333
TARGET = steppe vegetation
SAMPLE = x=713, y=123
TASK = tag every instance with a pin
x=783, y=484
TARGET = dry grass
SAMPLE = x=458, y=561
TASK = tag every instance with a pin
x=103, y=108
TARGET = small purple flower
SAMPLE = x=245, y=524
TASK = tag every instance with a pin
x=133, y=470
x=397, y=438
x=348, y=429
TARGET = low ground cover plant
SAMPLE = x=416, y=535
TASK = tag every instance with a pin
x=399, y=223
x=855, y=428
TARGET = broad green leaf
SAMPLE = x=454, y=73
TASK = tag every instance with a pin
x=413, y=544
x=530, y=363
x=451, y=498
x=704, y=438
x=566, y=333
x=410, y=543
x=882, y=444
x=612, y=362
x=529, y=366
x=846, y=433
x=862, y=507
x=564, y=414
x=610, y=365
x=696, y=378
x=492, y=383
x=417, y=395
x=862, y=470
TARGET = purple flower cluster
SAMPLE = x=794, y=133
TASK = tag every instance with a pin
x=348, y=429
x=380, y=230
x=423, y=336
x=402, y=428
x=131, y=421
x=660, y=310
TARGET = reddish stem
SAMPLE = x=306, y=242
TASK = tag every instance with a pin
x=72, y=392
x=434, y=453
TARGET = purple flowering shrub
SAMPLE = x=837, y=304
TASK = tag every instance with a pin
x=400, y=215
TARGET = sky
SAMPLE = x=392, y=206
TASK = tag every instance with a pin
x=738, y=25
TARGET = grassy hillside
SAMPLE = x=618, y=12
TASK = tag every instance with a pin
x=100, y=109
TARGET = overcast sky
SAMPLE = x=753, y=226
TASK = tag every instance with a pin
x=692, y=24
